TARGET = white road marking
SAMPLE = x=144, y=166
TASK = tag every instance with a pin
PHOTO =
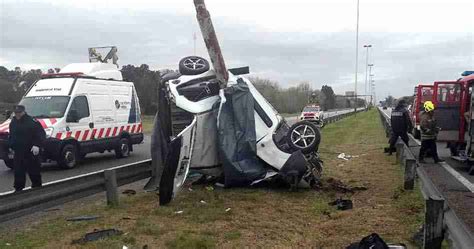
x=458, y=176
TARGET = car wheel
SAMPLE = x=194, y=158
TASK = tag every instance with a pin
x=68, y=159
x=123, y=150
x=9, y=163
x=193, y=65
x=304, y=136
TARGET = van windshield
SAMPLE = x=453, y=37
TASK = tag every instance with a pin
x=45, y=106
x=311, y=109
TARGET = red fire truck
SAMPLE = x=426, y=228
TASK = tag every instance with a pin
x=423, y=92
x=454, y=108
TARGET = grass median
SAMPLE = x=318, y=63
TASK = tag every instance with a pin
x=210, y=217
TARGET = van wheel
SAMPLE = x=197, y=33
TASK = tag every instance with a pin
x=9, y=163
x=123, y=150
x=68, y=159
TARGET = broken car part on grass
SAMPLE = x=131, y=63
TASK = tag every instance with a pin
x=218, y=124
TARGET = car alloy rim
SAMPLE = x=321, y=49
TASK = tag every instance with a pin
x=194, y=63
x=303, y=136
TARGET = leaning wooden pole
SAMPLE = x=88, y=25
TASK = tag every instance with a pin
x=212, y=44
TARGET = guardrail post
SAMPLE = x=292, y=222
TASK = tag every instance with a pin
x=434, y=215
x=399, y=154
x=410, y=172
x=111, y=187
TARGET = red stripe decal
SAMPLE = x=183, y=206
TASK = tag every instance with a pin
x=53, y=121
x=68, y=134
x=77, y=135
x=115, y=132
x=84, y=137
x=108, y=132
x=42, y=123
x=101, y=133
x=140, y=128
x=58, y=135
x=128, y=128
x=94, y=131
x=133, y=128
x=121, y=129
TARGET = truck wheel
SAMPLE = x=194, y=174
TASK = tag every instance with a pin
x=9, y=163
x=124, y=148
x=304, y=136
x=68, y=159
x=193, y=65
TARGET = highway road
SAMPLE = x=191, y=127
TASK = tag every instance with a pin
x=96, y=161
x=93, y=162
x=452, y=179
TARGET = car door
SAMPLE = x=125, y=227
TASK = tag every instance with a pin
x=79, y=120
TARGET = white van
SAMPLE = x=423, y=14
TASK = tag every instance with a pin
x=86, y=108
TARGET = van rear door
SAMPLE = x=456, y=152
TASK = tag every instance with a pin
x=448, y=113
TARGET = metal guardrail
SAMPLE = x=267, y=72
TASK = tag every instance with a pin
x=13, y=205
x=441, y=222
x=55, y=193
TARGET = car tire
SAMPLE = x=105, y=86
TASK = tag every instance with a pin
x=123, y=149
x=9, y=163
x=69, y=156
x=304, y=136
x=193, y=65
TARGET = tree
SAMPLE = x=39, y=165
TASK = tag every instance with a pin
x=328, y=98
x=389, y=101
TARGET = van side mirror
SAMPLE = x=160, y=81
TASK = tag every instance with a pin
x=72, y=117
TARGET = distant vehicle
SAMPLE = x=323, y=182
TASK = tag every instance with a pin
x=313, y=113
x=423, y=92
x=84, y=109
x=384, y=107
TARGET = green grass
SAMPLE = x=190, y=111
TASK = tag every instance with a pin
x=147, y=122
x=258, y=217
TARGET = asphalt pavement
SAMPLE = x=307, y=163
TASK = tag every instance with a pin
x=93, y=162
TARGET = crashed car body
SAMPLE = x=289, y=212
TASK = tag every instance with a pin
x=290, y=152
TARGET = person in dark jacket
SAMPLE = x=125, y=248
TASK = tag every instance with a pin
x=26, y=138
x=429, y=132
x=401, y=124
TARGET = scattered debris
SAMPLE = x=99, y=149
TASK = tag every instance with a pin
x=179, y=212
x=227, y=210
x=129, y=192
x=209, y=188
x=331, y=184
x=190, y=189
x=220, y=185
x=203, y=202
x=342, y=204
x=83, y=218
x=124, y=247
x=344, y=156
x=128, y=218
x=8, y=244
x=96, y=235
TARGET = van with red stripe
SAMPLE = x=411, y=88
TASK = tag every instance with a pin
x=84, y=109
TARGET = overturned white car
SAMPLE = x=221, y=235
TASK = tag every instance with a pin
x=233, y=133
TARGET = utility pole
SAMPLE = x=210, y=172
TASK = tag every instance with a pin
x=356, y=58
x=194, y=41
x=366, y=68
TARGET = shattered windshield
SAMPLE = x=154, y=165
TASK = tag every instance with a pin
x=45, y=106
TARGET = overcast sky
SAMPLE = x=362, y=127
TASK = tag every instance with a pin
x=289, y=41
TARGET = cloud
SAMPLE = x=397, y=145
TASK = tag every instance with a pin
x=40, y=34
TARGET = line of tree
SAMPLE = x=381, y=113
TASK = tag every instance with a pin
x=14, y=84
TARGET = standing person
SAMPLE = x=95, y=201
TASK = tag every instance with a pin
x=26, y=138
x=401, y=124
x=429, y=132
